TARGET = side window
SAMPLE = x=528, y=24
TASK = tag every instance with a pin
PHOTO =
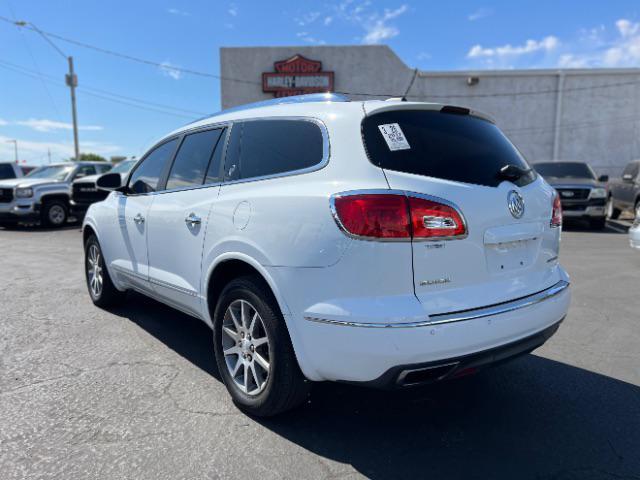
x=267, y=147
x=85, y=171
x=147, y=175
x=6, y=171
x=214, y=174
x=192, y=160
x=104, y=168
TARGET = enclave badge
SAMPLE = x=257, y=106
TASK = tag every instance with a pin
x=515, y=202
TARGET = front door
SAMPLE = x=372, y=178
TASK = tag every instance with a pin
x=128, y=250
x=178, y=221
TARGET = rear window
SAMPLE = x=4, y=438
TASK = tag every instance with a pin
x=450, y=146
x=565, y=170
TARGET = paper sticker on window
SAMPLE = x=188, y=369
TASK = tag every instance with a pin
x=394, y=137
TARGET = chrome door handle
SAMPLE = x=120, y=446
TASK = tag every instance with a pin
x=193, y=220
x=139, y=219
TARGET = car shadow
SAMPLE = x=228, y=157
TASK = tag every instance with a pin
x=578, y=225
x=531, y=418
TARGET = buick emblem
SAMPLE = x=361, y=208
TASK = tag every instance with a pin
x=515, y=203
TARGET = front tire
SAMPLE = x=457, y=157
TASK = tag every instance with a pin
x=253, y=350
x=54, y=213
x=598, y=223
x=101, y=289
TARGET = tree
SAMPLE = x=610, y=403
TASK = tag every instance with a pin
x=90, y=157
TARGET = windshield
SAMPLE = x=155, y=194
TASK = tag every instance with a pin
x=56, y=172
x=461, y=148
x=565, y=170
x=123, y=167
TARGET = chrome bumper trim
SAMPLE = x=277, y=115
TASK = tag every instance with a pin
x=460, y=316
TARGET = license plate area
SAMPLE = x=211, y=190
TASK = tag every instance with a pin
x=511, y=256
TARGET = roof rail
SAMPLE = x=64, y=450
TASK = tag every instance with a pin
x=308, y=98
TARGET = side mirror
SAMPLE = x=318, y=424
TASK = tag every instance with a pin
x=627, y=177
x=109, y=182
x=603, y=178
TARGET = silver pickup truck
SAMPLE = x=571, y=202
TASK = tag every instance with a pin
x=44, y=193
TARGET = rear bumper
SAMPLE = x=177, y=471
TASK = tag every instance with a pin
x=375, y=353
x=430, y=372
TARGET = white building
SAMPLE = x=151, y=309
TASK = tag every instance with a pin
x=587, y=115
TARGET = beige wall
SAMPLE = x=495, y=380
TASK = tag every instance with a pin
x=597, y=125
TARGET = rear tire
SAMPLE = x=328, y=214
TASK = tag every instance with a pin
x=101, y=289
x=55, y=213
x=598, y=223
x=612, y=212
x=256, y=390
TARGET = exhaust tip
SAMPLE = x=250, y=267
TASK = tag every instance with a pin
x=421, y=376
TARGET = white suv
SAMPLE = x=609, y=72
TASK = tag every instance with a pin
x=383, y=243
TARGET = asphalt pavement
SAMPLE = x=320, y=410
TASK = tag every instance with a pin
x=134, y=393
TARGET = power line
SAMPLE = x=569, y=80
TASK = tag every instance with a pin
x=364, y=94
x=104, y=94
x=129, y=57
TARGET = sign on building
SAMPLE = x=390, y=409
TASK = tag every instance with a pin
x=296, y=76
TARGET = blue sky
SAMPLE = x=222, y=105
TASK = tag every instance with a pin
x=34, y=104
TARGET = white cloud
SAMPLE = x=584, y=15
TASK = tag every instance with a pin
x=44, y=125
x=377, y=27
x=304, y=36
x=307, y=19
x=604, y=47
x=423, y=56
x=37, y=152
x=169, y=70
x=480, y=14
x=547, y=44
x=3, y=122
x=233, y=10
x=175, y=11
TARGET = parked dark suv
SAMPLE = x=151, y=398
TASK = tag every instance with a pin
x=624, y=193
x=582, y=194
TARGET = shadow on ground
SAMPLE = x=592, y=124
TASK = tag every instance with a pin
x=532, y=418
x=578, y=225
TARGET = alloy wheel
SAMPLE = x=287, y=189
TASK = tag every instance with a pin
x=94, y=271
x=246, y=349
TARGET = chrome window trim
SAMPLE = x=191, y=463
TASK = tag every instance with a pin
x=326, y=153
x=406, y=193
x=461, y=316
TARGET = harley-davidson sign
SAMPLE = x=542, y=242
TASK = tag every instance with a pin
x=296, y=76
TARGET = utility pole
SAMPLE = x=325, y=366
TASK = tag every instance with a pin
x=15, y=148
x=71, y=79
x=72, y=83
x=49, y=154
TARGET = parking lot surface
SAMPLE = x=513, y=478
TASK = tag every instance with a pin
x=134, y=393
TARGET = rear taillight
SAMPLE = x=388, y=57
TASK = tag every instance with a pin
x=397, y=216
x=434, y=219
x=556, y=212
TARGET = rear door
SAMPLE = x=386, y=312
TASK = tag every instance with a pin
x=178, y=219
x=455, y=158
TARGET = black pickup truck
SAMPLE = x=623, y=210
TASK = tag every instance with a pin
x=582, y=194
x=624, y=193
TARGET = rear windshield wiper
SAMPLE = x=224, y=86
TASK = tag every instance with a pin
x=514, y=174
